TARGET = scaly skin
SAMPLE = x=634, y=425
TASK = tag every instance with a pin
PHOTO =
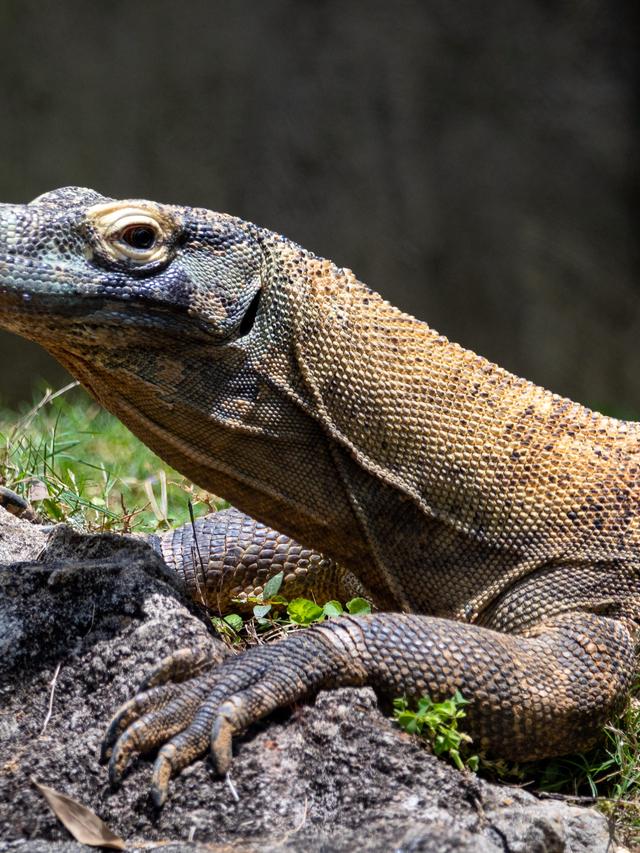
x=224, y=558
x=496, y=523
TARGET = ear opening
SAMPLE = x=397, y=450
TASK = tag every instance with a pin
x=250, y=315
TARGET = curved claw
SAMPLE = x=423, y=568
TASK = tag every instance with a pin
x=167, y=711
x=131, y=711
x=206, y=712
x=182, y=750
x=120, y=758
x=162, y=773
x=185, y=664
x=222, y=733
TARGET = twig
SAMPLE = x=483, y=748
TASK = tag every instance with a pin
x=299, y=825
x=575, y=798
x=52, y=684
x=50, y=395
x=232, y=787
x=195, y=540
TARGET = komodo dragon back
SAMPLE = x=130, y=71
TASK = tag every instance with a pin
x=495, y=522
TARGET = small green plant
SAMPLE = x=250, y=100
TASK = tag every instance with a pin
x=607, y=775
x=270, y=607
x=305, y=612
x=229, y=627
x=438, y=723
x=300, y=611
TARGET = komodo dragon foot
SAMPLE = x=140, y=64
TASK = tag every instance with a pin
x=534, y=695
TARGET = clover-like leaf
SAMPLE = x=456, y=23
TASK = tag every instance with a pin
x=333, y=608
x=358, y=606
x=302, y=611
x=234, y=620
x=272, y=586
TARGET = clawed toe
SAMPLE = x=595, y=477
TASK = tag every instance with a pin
x=149, y=720
x=185, y=664
x=192, y=716
x=12, y=502
x=131, y=711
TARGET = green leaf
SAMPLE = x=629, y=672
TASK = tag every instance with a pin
x=261, y=610
x=473, y=762
x=410, y=724
x=333, y=608
x=407, y=721
x=234, y=621
x=302, y=611
x=424, y=704
x=447, y=708
x=272, y=586
x=459, y=699
x=438, y=723
x=358, y=606
x=455, y=755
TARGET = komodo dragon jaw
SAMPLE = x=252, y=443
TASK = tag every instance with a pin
x=501, y=518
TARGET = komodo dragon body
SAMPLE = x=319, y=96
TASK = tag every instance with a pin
x=493, y=524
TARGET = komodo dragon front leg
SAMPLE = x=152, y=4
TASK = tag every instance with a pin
x=545, y=692
x=224, y=558
x=495, y=522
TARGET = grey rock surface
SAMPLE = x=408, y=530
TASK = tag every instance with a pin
x=336, y=775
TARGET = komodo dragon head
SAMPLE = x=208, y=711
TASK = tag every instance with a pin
x=191, y=327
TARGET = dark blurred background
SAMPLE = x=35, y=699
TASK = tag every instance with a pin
x=476, y=162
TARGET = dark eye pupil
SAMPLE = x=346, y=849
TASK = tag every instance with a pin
x=139, y=236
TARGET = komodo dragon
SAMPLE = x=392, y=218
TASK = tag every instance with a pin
x=493, y=524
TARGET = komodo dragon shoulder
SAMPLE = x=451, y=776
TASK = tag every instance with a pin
x=493, y=524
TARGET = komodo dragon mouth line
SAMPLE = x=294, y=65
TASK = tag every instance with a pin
x=99, y=313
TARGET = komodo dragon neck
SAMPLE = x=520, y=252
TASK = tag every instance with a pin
x=342, y=421
x=382, y=401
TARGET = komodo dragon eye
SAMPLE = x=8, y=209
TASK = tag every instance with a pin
x=135, y=237
x=139, y=236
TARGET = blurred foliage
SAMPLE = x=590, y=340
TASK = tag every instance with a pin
x=77, y=463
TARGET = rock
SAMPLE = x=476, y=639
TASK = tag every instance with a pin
x=83, y=618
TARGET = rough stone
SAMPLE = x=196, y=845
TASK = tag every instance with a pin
x=82, y=618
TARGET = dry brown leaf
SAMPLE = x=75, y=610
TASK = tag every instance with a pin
x=85, y=825
x=38, y=491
